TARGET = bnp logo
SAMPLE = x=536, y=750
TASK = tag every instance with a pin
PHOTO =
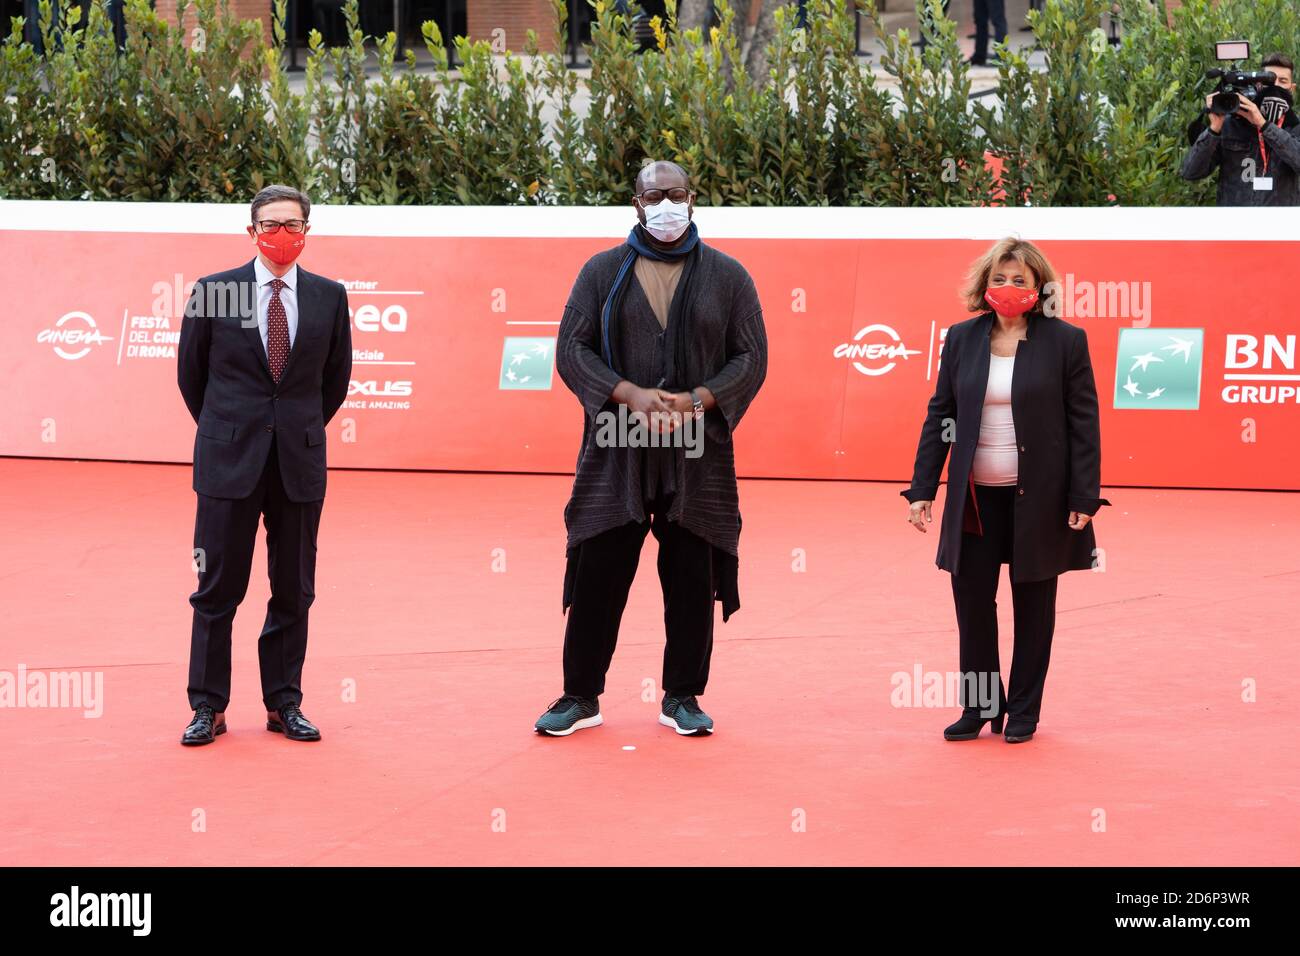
x=527, y=363
x=1159, y=368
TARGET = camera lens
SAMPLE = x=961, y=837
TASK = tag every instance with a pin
x=1225, y=103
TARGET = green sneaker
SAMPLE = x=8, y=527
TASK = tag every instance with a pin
x=683, y=715
x=568, y=714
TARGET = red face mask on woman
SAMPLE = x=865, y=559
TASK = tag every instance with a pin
x=281, y=246
x=1010, y=300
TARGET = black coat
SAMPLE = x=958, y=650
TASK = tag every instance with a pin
x=1054, y=406
x=226, y=381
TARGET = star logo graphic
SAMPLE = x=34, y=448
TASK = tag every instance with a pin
x=1181, y=347
x=1159, y=368
x=1145, y=360
x=526, y=364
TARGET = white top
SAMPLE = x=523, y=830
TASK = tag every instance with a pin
x=996, y=459
x=288, y=298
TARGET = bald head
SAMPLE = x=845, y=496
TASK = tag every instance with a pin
x=662, y=174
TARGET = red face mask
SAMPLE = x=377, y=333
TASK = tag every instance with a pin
x=281, y=246
x=1009, y=300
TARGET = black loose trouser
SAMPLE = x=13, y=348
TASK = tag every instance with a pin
x=603, y=569
x=975, y=589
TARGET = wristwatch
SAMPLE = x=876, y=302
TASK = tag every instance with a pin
x=697, y=406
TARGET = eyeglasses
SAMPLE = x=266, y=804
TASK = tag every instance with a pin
x=653, y=197
x=268, y=226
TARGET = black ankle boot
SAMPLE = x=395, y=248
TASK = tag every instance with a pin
x=968, y=728
x=1019, y=730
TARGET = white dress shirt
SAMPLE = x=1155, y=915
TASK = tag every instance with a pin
x=288, y=297
x=996, y=459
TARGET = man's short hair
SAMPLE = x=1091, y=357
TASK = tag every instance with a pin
x=1279, y=59
x=277, y=192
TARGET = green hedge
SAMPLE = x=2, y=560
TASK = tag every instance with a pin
x=208, y=116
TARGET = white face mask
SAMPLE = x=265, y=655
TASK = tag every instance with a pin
x=668, y=219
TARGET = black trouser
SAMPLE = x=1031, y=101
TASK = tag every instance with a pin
x=974, y=591
x=606, y=565
x=225, y=530
x=989, y=12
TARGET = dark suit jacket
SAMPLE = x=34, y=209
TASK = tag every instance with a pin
x=227, y=385
x=1054, y=405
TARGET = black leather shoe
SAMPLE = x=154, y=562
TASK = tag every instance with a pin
x=288, y=720
x=968, y=728
x=206, y=727
x=1018, y=731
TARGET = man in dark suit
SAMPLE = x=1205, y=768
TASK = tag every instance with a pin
x=265, y=359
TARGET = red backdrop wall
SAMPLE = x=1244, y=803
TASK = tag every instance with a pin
x=88, y=369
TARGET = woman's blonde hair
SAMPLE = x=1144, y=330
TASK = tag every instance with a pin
x=1022, y=251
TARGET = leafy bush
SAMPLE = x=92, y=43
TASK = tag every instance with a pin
x=207, y=114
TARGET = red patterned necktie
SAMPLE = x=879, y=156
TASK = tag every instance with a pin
x=277, y=331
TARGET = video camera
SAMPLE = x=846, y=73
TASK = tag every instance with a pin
x=1233, y=82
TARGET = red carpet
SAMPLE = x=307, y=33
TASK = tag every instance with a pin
x=1144, y=727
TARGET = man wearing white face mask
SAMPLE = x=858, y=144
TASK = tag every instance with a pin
x=669, y=330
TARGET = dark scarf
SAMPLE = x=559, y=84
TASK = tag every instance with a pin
x=1275, y=104
x=677, y=373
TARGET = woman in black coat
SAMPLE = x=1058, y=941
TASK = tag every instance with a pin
x=1015, y=398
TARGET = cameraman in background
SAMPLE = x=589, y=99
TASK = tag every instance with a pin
x=1256, y=147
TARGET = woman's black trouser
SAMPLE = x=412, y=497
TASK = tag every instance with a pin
x=974, y=591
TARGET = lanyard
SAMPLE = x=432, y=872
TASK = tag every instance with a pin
x=1263, y=150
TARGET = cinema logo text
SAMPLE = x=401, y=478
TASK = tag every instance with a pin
x=73, y=336
x=875, y=350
